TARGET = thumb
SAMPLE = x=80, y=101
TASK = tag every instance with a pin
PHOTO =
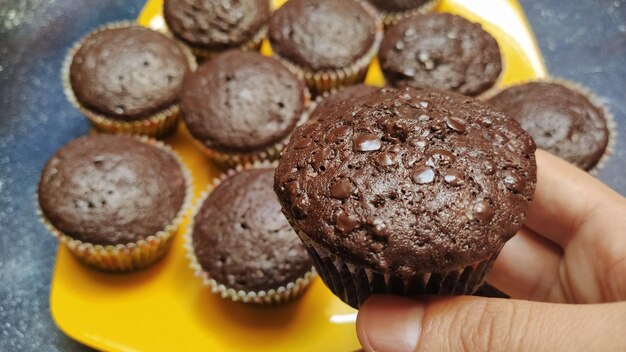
x=390, y=324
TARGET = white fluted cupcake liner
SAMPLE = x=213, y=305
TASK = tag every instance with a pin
x=130, y=256
x=158, y=125
x=276, y=295
x=254, y=44
x=392, y=18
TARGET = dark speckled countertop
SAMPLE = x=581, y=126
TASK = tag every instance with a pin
x=582, y=40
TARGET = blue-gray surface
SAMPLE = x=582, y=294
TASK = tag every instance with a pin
x=582, y=40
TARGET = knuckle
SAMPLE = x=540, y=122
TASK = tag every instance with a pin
x=489, y=325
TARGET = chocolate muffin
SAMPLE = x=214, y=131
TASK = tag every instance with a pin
x=241, y=106
x=560, y=120
x=127, y=78
x=441, y=51
x=115, y=201
x=243, y=243
x=343, y=95
x=395, y=10
x=213, y=26
x=328, y=43
x=406, y=191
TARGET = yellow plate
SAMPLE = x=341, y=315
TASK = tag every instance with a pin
x=165, y=308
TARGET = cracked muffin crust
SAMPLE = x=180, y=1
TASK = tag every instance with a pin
x=242, y=239
x=560, y=120
x=441, y=51
x=127, y=73
x=242, y=102
x=216, y=25
x=110, y=190
x=408, y=181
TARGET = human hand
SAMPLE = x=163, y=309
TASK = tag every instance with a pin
x=572, y=249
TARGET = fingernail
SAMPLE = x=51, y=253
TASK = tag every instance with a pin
x=390, y=324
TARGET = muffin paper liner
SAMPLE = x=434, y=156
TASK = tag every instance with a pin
x=270, y=153
x=392, y=18
x=273, y=296
x=131, y=256
x=254, y=44
x=486, y=290
x=320, y=81
x=157, y=125
x=353, y=284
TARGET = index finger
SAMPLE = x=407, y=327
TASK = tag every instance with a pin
x=565, y=198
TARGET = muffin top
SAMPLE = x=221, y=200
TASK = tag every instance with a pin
x=441, y=51
x=408, y=181
x=398, y=5
x=108, y=190
x=322, y=34
x=241, y=101
x=343, y=95
x=127, y=73
x=216, y=24
x=242, y=239
x=560, y=120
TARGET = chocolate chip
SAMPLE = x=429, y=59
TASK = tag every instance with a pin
x=441, y=157
x=367, y=143
x=339, y=133
x=514, y=181
x=454, y=177
x=379, y=228
x=456, y=123
x=386, y=159
x=302, y=143
x=346, y=223
x=482, y=211
x=423, y=175
x=342, y=189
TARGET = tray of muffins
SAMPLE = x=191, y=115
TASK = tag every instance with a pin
x=258, y=169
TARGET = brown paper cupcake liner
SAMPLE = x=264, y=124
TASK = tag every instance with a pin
x=320, y=81
x=254, y=44
x=273, y=296
x=353, y=284
x=486, y=290
x=392, y=18
x=270, y=153
x=131, y=256
x=157, y=125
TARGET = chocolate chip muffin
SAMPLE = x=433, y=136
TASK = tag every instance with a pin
x=441, y=51
x=326, y=42
x=213, y=26
x=243, y=245
x=393, y=11
x=126, y=78
x=561, y=120
x=115, y=201
x=242, y=106
x=406, y=191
